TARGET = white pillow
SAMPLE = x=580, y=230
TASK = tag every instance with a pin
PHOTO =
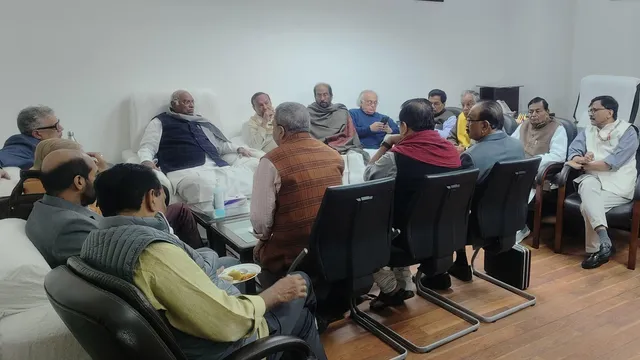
x=6, y=186
x=22, y=270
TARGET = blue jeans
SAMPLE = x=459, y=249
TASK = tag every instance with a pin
x=297, y=318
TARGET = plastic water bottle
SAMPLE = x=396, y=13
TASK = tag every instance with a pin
x=218, y=201
x=71, y=137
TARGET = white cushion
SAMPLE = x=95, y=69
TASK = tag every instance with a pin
x=6, y=186
x=622, y=88
x=22, y=270
x=353, y=168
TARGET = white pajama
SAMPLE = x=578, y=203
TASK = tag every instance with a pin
x=595, y=204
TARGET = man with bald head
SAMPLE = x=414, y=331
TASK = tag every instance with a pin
x=189, y=149
x=371, y=126
x=61, y=221
x=258, y=131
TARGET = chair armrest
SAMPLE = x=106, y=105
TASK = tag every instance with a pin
x=636, y=194
x=563, y=175
x=262, y=348
x=548, y=171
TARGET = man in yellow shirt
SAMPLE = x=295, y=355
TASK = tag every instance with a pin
x=459, y=135
x=132, y=243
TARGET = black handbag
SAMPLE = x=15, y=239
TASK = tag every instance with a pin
x=19, y=205
x=512, y=266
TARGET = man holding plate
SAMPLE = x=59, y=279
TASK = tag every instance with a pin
x=208, y=316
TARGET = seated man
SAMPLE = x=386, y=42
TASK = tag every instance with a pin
x=371, y=125
x=208, y=319
x=257, y=133
x=484, y=125
x=285, y=202
x=542, y=136
x=61, y=221
x=332, y=124
x=35, y=123
x=445, y=119
x=189, y=150
x=606, y=152
x=418, y=151
x=459, y=135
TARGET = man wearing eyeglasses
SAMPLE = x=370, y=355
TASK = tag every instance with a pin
x=35, y=123
x=606, y=152
x=371, y=126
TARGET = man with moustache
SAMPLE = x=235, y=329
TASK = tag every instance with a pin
x=257, y=133
x=332, y=124
x=606, y=152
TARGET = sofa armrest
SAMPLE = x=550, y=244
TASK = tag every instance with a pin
x=262, y=348
x=547, y=172
x=636, y=194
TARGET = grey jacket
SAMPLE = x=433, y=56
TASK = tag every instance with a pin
x=115, y=247
x=491, y=149
x=58, y=228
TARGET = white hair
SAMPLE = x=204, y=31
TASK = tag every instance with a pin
x=476, y=96
x=294, y=117
x=362, y=95
x=175, y=97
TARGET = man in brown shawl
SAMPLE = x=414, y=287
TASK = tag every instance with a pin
x=332, y=124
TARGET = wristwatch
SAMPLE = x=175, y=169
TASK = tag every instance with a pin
x=386, y=144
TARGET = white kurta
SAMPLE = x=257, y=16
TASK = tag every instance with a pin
x=195, y=185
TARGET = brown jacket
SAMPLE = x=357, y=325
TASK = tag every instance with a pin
x=537, y=141
x=306, y=167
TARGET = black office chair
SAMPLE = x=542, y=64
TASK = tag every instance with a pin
x=435, y=227
x=499, y=210
x=549, y=173
x=19, y=205
x=112, y=319
x=624, y=217
x=351, y=239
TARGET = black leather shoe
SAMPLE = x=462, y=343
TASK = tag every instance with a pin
x=598, y=258
x=461, y=272
x=438, y=282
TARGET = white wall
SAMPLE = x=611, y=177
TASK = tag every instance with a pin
x=606, y=41
x=84, y=57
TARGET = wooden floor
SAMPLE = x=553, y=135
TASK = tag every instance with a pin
x=580, y=314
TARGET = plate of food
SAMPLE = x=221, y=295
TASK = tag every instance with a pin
x=240, y=273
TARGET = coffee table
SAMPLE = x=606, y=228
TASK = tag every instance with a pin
x=230, y=234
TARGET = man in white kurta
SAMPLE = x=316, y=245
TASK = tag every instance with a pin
x=257, y=133
x=606, y=152
x=195, y=155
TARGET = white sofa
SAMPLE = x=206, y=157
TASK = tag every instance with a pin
x=6, y=186
x=29, y=327
x=144, y=106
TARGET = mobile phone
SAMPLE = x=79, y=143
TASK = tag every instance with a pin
x=385, y=120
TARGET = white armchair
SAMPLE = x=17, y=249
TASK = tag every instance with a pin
x=626, y=90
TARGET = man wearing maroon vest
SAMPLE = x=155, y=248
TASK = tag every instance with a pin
x=288, y=188
x=543, y=136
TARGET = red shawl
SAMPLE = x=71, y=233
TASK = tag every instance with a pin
x=430, y=148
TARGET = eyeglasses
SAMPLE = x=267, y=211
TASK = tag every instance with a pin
x=370, y=102
x=55, y=126
x=593, y=111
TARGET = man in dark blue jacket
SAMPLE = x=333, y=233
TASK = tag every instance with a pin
x=35, y=123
